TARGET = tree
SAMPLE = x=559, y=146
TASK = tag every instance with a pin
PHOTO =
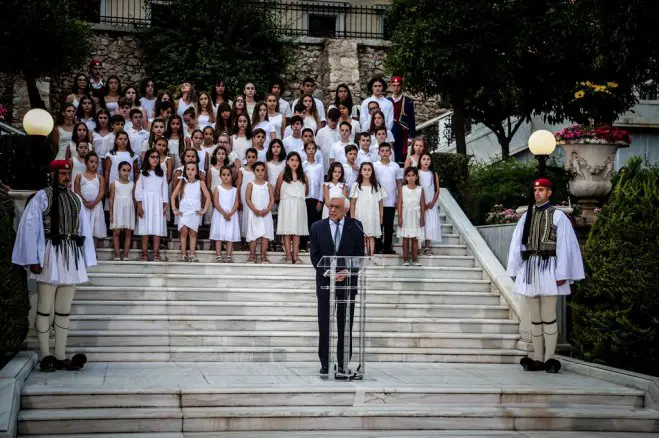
x=500, y=63
x=199, y=41
x=41, y=38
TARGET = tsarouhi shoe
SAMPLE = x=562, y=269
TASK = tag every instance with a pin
x=48, y=364
x=77, y=362
x=552, y=366
x=531, y=365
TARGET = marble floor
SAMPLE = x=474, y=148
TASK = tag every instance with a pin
x=191, y=375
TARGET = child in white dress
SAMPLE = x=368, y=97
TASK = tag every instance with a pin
x=218, y=159
x=225, y=226
x=411, y=215
x=78, y=165
x=334, y=185
x=245, y=176
x=122, y=211
x=292, y=189
x=151, y=197
x=429, y=181
x=91, y=188
x=276, y=162
x=367, y=206
x=417, y=148
x=188, y=192
x=260, y=199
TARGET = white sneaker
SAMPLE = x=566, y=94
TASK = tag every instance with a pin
x=416, y=263
x=406, y=263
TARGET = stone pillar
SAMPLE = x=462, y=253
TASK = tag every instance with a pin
x=342, y=67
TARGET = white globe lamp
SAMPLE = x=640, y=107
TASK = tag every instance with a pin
x=38, y=121
x=541, y=144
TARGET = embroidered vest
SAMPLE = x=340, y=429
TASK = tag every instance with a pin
x=542, y=234
x=69, y=213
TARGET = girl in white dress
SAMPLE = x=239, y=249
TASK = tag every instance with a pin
x=311, y=119
x=260, y=120
x=91, y=188
x=206, y=115
x=122, y=210
x=149, y=98
x=121, y=151
x=276, y=161
x=418, y=148
x=157, y=131
x=245, y=175
x=218, y=159
x=186, y=99
x=189, y=192
x=176, y=140
x=100, y=134
x=367, y=206
x=334, y=185
x=260, y=200
x=113, y=94
x=292, y=190
x=411, y=215
x=80, y=133
x=166, y=163
x=78, y=165
x=86, y=112
x=190, y=156
x=277, y=120
x=197, y=141
x=209, y=143
x=429, y=181
x=241, y=138
x=151, y=197
x=225, y=226
x=64, y=133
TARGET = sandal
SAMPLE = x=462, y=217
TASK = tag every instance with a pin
x=298, y=261
x=193, y=259
x=156, y=258
x=228, y=259
x=427, y=251
x=182, y=258
x=251, y=259
x=219, y=259
x=265, y=260
x=116, y=259
x=144, y=257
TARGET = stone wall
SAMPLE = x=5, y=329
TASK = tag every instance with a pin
x=330, y=62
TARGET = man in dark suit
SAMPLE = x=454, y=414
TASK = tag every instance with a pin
x=339, y=236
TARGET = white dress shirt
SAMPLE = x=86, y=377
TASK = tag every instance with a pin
x=314, y=173
x=388, y=176
x=386, y=107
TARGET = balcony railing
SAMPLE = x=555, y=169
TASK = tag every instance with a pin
x=294, y=18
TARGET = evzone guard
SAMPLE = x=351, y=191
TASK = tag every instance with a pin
x=545, y=259
x=54, y=241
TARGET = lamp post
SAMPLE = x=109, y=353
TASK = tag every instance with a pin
x=541, y=144
x=38, y=122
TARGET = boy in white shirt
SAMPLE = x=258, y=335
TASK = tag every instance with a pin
x=308, y=137
x=338, y=151
x=137, y=134
x=328, y=135
x=258, y=141
x=314, y=173
x=382, y=135
x=124, y=110
x=390, y=177
x=294, y=141
x=350, y=167
x=299, y=111
x=365, y=154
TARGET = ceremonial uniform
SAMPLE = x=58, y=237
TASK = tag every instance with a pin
x=54, y=234
x=404, y=126
x=544, y=251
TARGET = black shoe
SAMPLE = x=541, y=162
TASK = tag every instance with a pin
x=324, y=371
x=552, y=366
x=531, y=365
x=340, y=374
x=48, y=364
x=77, y=362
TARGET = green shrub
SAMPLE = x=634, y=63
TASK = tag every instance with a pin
x=453, y=171
x=616, y=308
x=14, y=302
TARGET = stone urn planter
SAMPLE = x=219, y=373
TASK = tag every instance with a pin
x=592, y=165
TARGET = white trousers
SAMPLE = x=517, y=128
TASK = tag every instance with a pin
x=544, y=329
x=59, y=297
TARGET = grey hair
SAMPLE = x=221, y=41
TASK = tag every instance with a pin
x=346, y=201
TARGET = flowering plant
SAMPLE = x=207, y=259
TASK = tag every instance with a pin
x=603, y=134
x=3, y=112
x=500, y=215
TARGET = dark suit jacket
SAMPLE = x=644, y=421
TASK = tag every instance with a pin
x=322, y=244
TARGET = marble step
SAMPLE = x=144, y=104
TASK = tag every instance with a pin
x=367, y=434
x=447, y=255
x=276, y=295
x=278, y=323
x=510, y=417
x=372, y=394
x=290, y=271
x=291, y=354
x=282, y=281
x=169, y=307
x=118, y=338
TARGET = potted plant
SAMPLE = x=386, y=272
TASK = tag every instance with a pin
x=590, y=145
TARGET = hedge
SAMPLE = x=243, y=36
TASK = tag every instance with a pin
x=14, y=301
x=616, y=308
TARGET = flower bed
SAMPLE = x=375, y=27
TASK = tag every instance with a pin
x=604, y=134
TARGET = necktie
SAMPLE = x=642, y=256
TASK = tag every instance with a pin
x=337, y=237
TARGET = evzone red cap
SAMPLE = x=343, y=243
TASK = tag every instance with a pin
x=396, y=80
x=94, y=62
x=56, y=165
x=542, y=182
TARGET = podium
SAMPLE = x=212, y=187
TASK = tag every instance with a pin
x=347, y=287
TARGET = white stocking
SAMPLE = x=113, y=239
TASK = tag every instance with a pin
x=549, y=325
x=533, y=304
x=45, y=302
x=63, y=300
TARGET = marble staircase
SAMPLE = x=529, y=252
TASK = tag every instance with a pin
x=446, y=310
